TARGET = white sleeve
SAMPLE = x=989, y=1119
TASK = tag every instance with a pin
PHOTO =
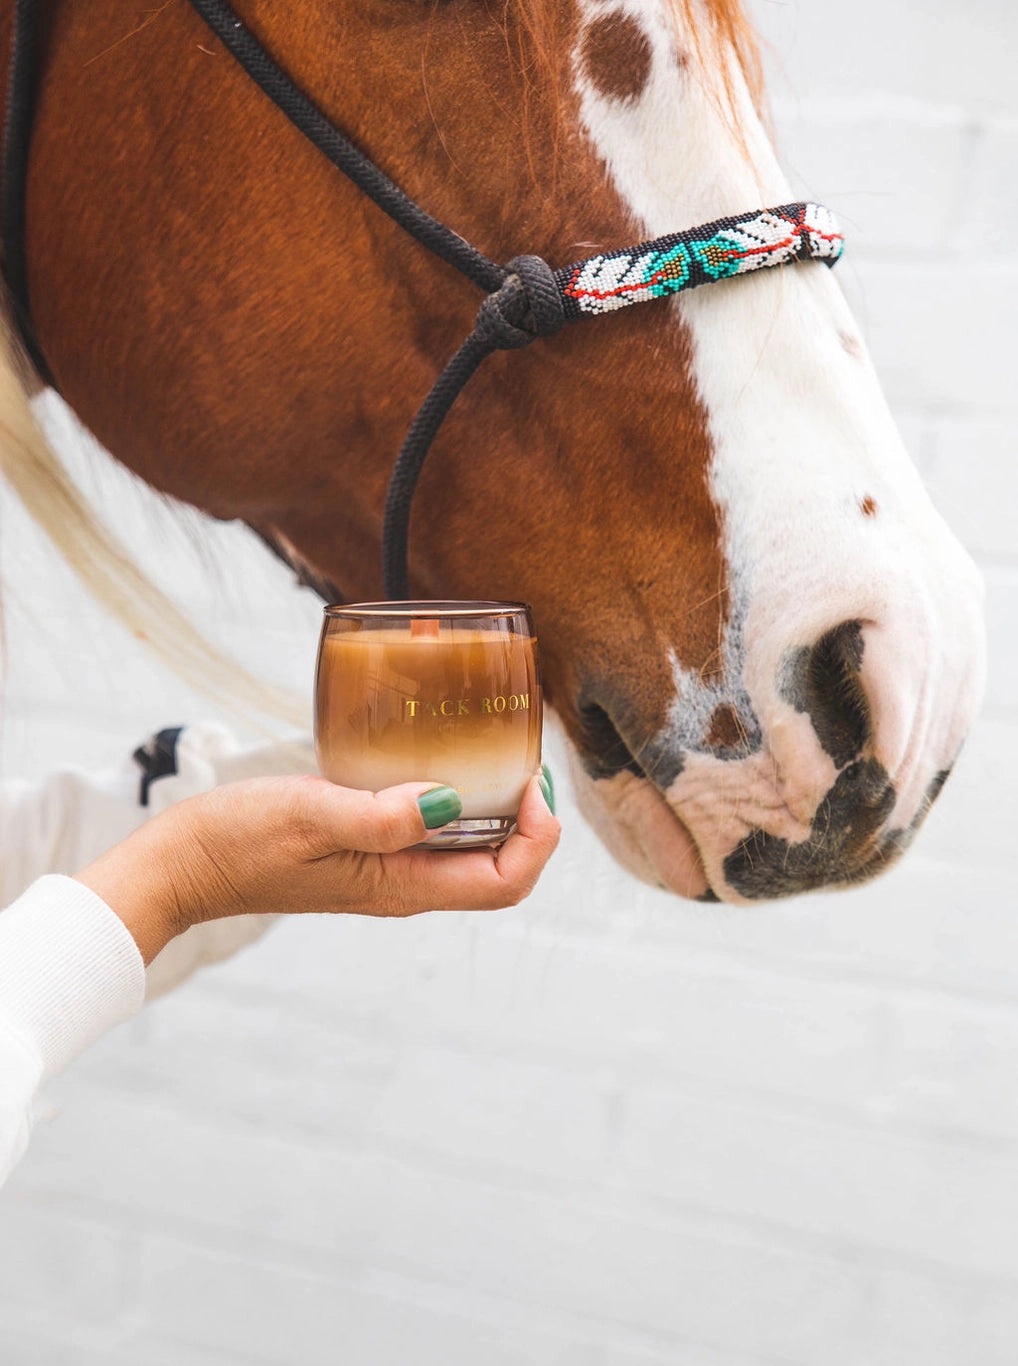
x=69, y=968
x=69, y=971
x=61, y=824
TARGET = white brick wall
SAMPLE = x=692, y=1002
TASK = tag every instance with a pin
x=603, y=1129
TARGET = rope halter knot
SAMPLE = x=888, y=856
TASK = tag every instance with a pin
x=527, y=305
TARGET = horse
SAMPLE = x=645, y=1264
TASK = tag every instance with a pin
x=762, y=642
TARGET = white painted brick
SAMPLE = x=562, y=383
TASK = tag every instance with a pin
x=939, y=336
x=275, y=1313
x=30, y=1349
x=890, y=167
x=536, y=1089
x=915, y=1322
x=555, y=1266
x=915, y=926
x=601, y=1009
x=939, y=52
x=584, y=1257
x=391, y=1094
x=1002, y=625
x=58, y=1344
x=50, y=1261
x=979, y=831
x=944, y=1069
x=991, y=207
x=973, y=478
x=952, y=1205
x=535, y=1081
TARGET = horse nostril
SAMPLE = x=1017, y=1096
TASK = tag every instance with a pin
x=823, y=680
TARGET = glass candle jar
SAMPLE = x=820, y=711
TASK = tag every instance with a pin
x=447, y=692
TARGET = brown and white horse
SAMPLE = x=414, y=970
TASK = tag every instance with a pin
x=763, y=643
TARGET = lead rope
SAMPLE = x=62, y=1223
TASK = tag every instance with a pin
x=525, y=300
x=525, y=307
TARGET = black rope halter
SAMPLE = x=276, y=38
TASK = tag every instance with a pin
x=525, y=299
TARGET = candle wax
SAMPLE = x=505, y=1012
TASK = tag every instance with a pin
x=454, y=706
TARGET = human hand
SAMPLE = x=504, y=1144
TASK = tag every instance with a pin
x=299, y=844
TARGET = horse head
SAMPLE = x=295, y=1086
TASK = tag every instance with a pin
x=762, y=641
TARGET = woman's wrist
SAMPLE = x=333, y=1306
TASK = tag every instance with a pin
x=146, y=881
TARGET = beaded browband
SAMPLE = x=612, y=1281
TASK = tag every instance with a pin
x=526, y=298
x=683, y=260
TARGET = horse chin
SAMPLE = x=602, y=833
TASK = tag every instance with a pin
x=634, y=821
x=723, y=831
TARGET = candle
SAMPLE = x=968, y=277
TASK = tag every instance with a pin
x=443, y=692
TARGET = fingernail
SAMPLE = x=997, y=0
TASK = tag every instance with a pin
x=547, y=785
x=439, y=806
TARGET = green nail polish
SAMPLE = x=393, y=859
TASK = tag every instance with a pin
x=547, y=783
x=439, y=806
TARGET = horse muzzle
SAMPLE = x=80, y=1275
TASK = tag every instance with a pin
x=818, y=778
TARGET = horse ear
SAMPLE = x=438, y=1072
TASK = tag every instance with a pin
x=34, y=472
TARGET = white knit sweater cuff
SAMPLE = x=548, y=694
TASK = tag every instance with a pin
x=69, y=969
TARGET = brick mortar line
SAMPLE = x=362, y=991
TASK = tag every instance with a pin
x=752, y=965
x=740, y=1231
x=749, y=1102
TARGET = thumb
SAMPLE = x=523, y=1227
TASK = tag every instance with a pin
x=387, y=821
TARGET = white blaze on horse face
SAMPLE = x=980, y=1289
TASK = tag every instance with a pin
x=824, y=519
